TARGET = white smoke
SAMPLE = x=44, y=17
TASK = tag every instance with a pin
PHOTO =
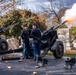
x=70, y=14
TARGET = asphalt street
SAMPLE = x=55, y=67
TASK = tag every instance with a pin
x=27, y=67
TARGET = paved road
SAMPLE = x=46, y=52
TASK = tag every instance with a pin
x=27, y=67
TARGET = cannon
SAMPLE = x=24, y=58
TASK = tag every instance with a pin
x=49, y=41
x=3, y=42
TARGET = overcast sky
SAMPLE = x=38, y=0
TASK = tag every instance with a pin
x=37, y=6
x=33, y=5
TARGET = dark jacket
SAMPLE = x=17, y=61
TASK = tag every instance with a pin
x=25, y=36
x=36, y=34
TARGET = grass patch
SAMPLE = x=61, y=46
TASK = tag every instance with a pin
x=50, y=53
x=69, y=54
x=65, y=54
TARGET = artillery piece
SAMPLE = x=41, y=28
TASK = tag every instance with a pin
x=49, y=41
x=3, y=42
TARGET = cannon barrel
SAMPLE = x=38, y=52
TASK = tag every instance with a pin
x=54, y=28
x=59, y=25
x=6, y=28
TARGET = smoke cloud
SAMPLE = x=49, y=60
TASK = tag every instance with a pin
x=70, y=17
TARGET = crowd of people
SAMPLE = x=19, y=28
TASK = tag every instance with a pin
x=36, y=35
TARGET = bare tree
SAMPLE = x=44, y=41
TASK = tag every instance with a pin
x=6, y=5
x=51, y=9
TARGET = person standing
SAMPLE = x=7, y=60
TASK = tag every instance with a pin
x=36, y=35
x=25, y=39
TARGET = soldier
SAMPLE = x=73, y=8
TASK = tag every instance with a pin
x=25, y=39
x=36, y=35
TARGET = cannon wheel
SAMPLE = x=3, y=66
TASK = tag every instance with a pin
x=58, y=49
x=3, y=45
